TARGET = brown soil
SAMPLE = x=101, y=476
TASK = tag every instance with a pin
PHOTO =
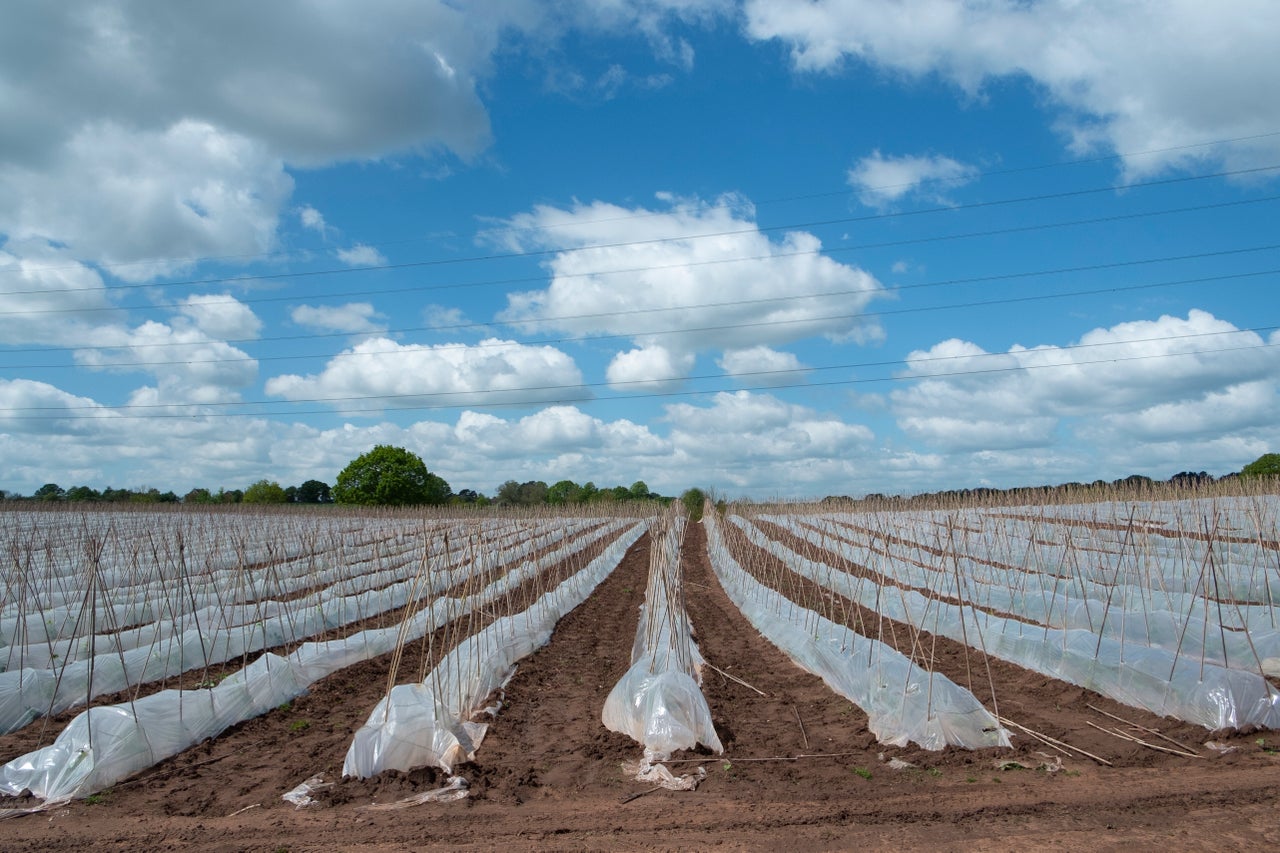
x=548, y=776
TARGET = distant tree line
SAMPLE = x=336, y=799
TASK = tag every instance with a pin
x=538, y=493
x=263, y=491
x=1267, y=465
x=393, y=476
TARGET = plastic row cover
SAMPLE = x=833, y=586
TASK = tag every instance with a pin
x=109, y=743
x=1053, y=601
x=28, y=693
x=904, y=703
x=429, y=723
x=1153, y=679
x=994, y=566
x=47, y=636
x=658, y=702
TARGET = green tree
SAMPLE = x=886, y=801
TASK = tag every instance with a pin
x=529, y=493
x=693, y=499
x=314, y=492
x=80, y=494
x=564, y=492
x=50, y=492
x=264, y=492
x=640, y=491
x=389, y=476
x=199, y=496
x=1266, y=465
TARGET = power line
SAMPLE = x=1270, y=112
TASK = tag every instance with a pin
x=667, y=332
x=585, y=388
x=683, y=265
x=651, y=214
x=734, y=232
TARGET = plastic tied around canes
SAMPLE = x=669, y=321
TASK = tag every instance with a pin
x=108, y=743
x=429, y=723
x=658, y=702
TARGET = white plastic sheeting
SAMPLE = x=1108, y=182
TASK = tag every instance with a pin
x=30, y=692
x=347, y=582
x=904, y=703
x=109, y=743
x=1154, y=679
x=429, y=723
x=1231, y=634
x=658, y=702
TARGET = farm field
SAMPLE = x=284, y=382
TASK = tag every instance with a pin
x=800, y=766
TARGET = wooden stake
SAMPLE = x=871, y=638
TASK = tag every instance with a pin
x=803, y=734
x=735, y=678
x=1053, y=741
x=1143, y=728
x=1142, y=742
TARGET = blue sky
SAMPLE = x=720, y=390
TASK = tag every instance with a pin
x=772, y=248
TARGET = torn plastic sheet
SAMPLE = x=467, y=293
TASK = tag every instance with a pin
x=903, y=702
x=646, y=770
x=456, y=790
x=429, y=723
x=301, y=795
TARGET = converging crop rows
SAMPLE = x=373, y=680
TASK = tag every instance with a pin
x=131, y=637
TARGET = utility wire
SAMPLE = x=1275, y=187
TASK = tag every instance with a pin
x=733, y=232
x=831, y=250
x=584, y=388
x=652, y=333
x=651, y=214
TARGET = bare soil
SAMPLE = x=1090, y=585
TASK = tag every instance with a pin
x=800, y=770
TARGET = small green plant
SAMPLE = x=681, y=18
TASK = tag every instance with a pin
x=285, y=706
x=935, y=772
x=862, y=771
x=299, y=725
x=99, y=798
x=971, y=779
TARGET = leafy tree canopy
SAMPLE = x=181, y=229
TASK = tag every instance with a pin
x=693, y=500
x=389, y=476
x=50, y=492
x=313, y=492
x=264, y=492
x=1266, y=465
x=564, y=492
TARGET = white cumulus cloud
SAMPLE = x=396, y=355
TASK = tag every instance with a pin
x=378, y=373
x=762, y=365
x=353, y=317
x=1154, y=379
x=361, y=255
x=147, y=202
x=1132, y=76
x=688, y=277
x=881, y=180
